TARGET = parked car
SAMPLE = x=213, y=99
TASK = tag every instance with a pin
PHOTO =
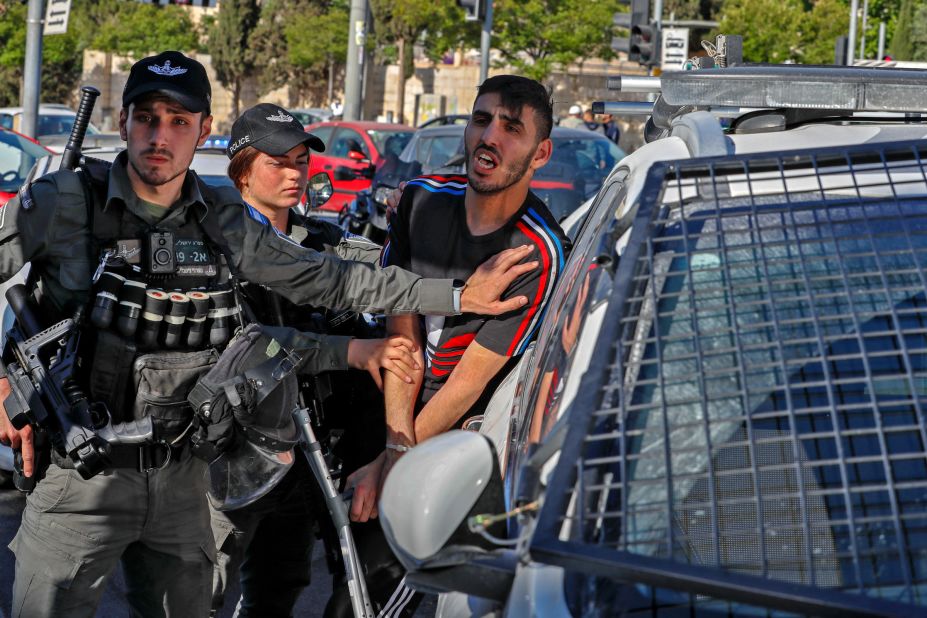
x=353, y=152
x=18, y=154
x=723, y=414
x=54, y=126
x=462, y=119
x=311, y=115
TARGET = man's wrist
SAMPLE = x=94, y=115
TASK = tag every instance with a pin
x=399, y=448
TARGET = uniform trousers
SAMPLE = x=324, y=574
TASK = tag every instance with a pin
x=75, y=531
x=268, y=545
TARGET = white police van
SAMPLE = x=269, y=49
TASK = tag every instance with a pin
x=725, y=412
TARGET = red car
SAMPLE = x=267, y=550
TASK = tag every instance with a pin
x=353, y=152
x=17, y=155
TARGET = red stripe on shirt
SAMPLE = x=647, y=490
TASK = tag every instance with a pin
x=460, y=341
x=451, y=353
x=545, y=265
x=550, y=184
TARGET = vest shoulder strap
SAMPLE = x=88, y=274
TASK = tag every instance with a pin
x=104, y=224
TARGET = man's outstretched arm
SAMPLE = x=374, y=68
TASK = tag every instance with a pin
x=463, y=388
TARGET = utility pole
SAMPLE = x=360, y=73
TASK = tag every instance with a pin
x=851, y=40
x=881, y=51
x=32, y=68
x=862, y=32
x=354, y=69
x=486, y=42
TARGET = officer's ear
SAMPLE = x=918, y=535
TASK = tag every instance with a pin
x=123, y=117
x=205, y=129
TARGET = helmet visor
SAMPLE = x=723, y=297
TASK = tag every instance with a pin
x=242, y=475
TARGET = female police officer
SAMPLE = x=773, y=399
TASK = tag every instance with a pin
x=270, y=540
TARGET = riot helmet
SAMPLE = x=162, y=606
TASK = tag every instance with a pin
x=244, y=407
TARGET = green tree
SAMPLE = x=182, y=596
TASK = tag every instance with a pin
x=822, y=26
x=114, y=26
x=61, y=57
x=401, y=23
x=777, y=31
x=272, y=51
x=919, y=35
x=903, y=41
x=537, y=37
x=229, y=41
x=317, y=41
x=770, y=28
x=137, y=29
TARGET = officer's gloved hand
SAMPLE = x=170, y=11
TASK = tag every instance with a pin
x=216, y=421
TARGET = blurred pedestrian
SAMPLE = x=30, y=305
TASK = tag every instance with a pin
x=575, y=118
x=612, y=131
x=590, y=123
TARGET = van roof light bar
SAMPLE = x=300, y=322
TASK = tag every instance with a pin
x=797, y=86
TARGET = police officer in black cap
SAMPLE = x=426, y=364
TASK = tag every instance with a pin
x=268, y=532
x=153, y=223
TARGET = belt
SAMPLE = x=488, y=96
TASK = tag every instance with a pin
x=144, y=457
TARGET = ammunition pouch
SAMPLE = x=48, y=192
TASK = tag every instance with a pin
x=162, y=381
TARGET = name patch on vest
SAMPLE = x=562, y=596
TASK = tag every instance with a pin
x=191, y=256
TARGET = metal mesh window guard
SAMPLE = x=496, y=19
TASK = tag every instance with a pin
x=761, y=408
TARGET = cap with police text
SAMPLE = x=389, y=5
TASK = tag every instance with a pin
x=270, y=129
x=181, y=78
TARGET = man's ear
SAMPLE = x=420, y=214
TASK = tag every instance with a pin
x=123, y=118
x=205, y=130
x=542, y=154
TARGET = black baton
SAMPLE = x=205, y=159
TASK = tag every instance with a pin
x=70, y=158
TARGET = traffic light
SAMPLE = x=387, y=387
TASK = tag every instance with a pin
x=638, y=17
x=474, y=9
x=645, y=43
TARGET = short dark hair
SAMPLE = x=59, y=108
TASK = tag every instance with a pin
x=517, y=91
x=240, y=165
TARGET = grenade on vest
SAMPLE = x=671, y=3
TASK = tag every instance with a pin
x=130, y=307
x=222, y=309
x=196, y=322
x=152, y=317
x=176, y=316
x=104, y=306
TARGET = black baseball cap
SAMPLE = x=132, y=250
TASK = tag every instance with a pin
x=179, y=77
x=272, y=130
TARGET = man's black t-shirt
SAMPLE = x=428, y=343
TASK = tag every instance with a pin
x=429, y=236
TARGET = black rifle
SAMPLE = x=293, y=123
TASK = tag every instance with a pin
x=44, y=392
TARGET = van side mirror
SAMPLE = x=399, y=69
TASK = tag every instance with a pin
x=428, y=499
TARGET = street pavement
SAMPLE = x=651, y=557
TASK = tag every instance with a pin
x=310, y=603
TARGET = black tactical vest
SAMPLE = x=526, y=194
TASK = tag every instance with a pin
x=163, y=304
